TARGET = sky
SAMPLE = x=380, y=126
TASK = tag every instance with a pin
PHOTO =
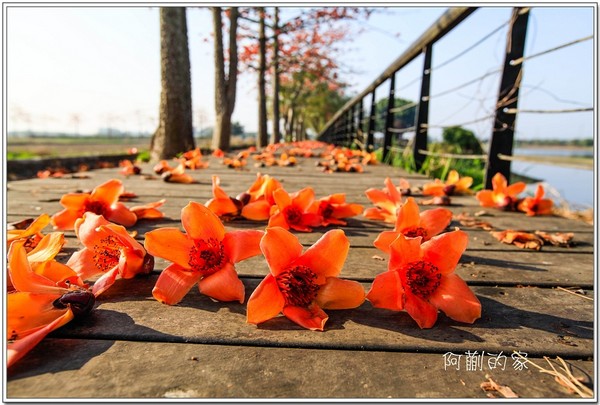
x=81, y=69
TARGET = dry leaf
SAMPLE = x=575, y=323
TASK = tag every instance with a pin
x=557, y=238
x=469, y=221
x=524, y=240
x=504, y=390
x=437, y=200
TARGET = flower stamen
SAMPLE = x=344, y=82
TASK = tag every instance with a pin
x=107, y=253
x=423, y=278
x=415, y=231
x=207, y=256
x=293, y=215
x=298, y=286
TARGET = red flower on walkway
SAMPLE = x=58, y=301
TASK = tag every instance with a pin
x=295, y=210
x=411, y=224
x=31, y=235
x=205, y=255
x=334, y=207
x=454, y=185
x=258, y=199
x=421, y=280
x=300, y=284
x=387, y=201
x=536, y=205
x=44, y=300
x=108, y=250
x=103, y=200
x=221, y=204
x=502, y=195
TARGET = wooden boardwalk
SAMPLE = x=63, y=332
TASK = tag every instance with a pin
x=132, y=346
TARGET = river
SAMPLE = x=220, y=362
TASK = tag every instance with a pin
x=574, y=186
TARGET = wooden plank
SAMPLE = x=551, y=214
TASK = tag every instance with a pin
x=540, y=321
x=85, y=369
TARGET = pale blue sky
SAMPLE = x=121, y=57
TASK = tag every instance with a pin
x=102, y=65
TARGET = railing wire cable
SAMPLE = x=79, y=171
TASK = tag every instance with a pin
x=535, y=55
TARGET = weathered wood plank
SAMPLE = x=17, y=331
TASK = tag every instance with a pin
x=537, y=320
x=71, y=368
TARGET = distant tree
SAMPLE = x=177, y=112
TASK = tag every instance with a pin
x=402, y=119
x=237, y=128
x=225, y=83
x=462, y=140
x=175, y=132
x=262, y=137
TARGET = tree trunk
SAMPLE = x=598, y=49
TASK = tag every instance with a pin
x=174, y=133
x=262, y=139
x=276, y=136
x=225, y=86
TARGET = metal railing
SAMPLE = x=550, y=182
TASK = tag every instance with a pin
x=347, y=126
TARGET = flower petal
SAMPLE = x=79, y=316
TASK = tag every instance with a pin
x=82, y=262
x=455, y=298
x=280, y=248
x=108, y=192
x=47, y=248
x=393, y=192
x=65, y=219
x=424, y=313
x=347, y=210
x=240, y=245
x=515, y=189
x=387, y=292
x=408, y=215
x=486, y=198
x=337, y=293
x=173, y=284
x=266, y=301
x=312, y=318
x=170, y=244
x=384, y=240
x=201, y=223
x=445, y=250
x=304, y=198
x=259, y=210
x=223, y=285
x=327, y=256
x=435, y=221
x=404, y=250
x=282, y=198
x=120, y=214
x=453, y=177
x=74, y=201
x=104, y=282
x=22, y=276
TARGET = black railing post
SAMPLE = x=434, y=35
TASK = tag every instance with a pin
x=422, y=116
x=501, y=142
x=360, y=133
x=371, y=133
x=352, y=134
x=389, y=120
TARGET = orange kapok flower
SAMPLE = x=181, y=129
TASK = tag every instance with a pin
x=502, y=195
x=334, y=207
x=454, y=185
x=41, y=302
x=421, y=280
x=295, y=210
x=108, y=250
x=411, y=224
x=536, y=205
x=103, y=200
x=205, y=254
x=149, y=211
x=258, y=199
x=386, y=201
x=31, y=235
x=300, y=284
x=221, y=204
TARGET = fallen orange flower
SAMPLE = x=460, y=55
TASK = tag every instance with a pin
x=258, y=199
x=177, y=175
x=192, y=159
x=421, y=280
x=205, y=254
x=221, y=204
x=300, y=284
x=295, y=210
x=149, y=211
x=536, y=205
x=128, y=168
x=103, y=200
x=218, y=153
x=502, y=195
x=31, y=235
x=411, y=224
x=41, y=302
x=454, y=185
x=108, y=250
x=334, y=207
x=387, y=201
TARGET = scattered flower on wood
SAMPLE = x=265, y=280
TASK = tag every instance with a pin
x=387, y=201
x=204, y=255
x=421, y=280
x=258, y=200
x=502, y=195
x=334, y=207
x=524, y=240
x=412, y=223
x=108, y=251
x=192, y=159
x=128, y=168
x=563, y=239
x=301, y=285
x=44, y=300
x=470, y=221
x=454, y=185
x=536, y=205
x=221, y=204
x=295, y=211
